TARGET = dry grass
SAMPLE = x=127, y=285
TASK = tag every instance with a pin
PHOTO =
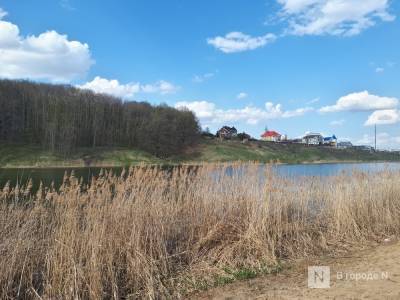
x=149, y=234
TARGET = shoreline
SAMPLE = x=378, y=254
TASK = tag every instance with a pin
x=110, y=166
x=14, y=156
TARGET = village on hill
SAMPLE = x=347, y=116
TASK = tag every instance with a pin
x=309, y=138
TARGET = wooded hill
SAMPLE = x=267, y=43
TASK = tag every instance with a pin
x=62, y=118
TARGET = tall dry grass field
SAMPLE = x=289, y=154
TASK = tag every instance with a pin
x=152, y=234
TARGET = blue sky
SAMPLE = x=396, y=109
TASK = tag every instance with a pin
x=331, y=66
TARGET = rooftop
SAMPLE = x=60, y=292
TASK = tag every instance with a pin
x=271, y=134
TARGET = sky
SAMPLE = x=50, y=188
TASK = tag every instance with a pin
x=294, y=66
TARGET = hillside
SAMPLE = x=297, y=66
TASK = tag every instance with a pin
x=215, y=151
x=206, y=151
x=64, y=119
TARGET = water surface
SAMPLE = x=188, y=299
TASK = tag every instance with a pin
x=49, y=175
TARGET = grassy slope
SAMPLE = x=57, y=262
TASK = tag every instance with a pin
x=214, y=150
x=34, y=156
x=207, y=151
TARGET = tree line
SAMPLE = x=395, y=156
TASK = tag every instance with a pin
x=62, y=118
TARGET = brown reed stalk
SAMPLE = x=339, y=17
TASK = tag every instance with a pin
x=156, y=234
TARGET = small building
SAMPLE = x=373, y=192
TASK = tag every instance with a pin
x=227, y=132
x=330, y=141
x=296, y=141
x=313, y=139
x=271, y=136
x=344, y=145
x=364, y=148
x=244, y=136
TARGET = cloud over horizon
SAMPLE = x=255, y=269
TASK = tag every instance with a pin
x=129, y=90
x=384, y=140
x=383, y=117
x=361, y=101
x=209, y=113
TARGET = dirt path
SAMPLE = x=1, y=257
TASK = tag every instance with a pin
x=381, y=264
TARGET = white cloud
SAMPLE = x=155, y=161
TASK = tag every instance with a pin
x=49, y=55
x=362, y=101
x=111, y=87
x=66, y=4
x=202, y=78
x=127, y=91
x=202, y=109
x=383, y=117
x=315, y=100
x=337, y=122
x=379, y=70
x=161, y=87
x=383, y=140
x=208, y=113
x=238, y=42
x=333, y=17
x=3, y=13
x=242, y=95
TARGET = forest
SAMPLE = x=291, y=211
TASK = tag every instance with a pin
x=63, y=118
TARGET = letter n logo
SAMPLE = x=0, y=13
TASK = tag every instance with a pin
x=319, y=277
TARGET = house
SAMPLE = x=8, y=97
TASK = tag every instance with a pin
x=271, y=136
x=364, y=148
x=227, y=132
x=313, y=139
x=344, y=145
x=244, y=136
x=330, y=141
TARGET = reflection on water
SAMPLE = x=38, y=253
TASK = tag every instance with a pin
x=49, y=175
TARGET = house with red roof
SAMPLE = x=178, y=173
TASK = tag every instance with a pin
x=271, y=136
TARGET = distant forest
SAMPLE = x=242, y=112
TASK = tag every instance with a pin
x=62, y=118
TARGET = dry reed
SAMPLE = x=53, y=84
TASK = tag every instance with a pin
x=153, y=234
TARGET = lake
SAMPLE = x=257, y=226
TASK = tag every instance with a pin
x=48, y=175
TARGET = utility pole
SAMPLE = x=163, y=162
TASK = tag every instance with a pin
x=375, y=137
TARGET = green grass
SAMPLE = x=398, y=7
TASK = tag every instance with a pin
x=207, y=151
x=245, y=273
x=229, y=275
x=35, y=156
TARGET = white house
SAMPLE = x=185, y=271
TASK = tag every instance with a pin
x=313, y=139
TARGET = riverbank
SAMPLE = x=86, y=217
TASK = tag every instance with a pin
x=210, y=151
x=147, y=235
